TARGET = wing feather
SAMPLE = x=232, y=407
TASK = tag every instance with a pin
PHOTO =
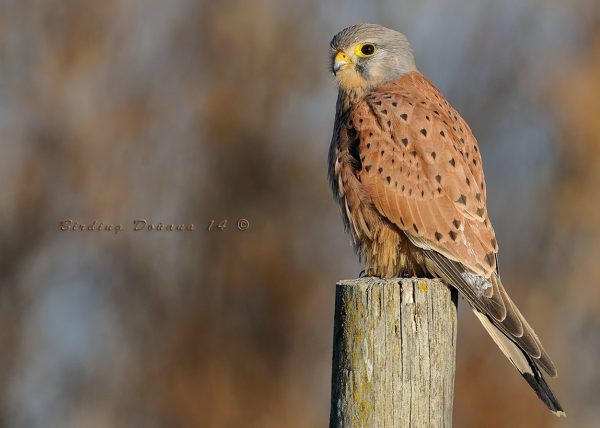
x=421, y=170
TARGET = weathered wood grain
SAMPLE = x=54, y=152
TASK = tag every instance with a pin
x=394, y=351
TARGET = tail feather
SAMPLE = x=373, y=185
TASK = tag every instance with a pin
x=524, y=364
x=503, y=321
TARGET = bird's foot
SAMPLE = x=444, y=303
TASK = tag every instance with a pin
x=367, y=273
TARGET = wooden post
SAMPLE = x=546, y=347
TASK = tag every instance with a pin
x=394, y=347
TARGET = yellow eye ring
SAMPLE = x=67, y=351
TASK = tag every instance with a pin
x=365, y=50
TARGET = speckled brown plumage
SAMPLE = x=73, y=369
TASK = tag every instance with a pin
x=407, y=173
x=406, y=153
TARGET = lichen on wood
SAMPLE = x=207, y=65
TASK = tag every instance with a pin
x=394, y=353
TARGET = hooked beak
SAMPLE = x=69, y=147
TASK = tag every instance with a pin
x=341, y=62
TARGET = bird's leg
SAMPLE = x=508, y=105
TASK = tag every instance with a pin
x=410, y=271
x=367, y=272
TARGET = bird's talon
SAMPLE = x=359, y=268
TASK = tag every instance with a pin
x=368, y=273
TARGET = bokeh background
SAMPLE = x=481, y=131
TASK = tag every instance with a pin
x=190, y=111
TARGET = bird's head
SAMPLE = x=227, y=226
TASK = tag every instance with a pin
x=366, y=56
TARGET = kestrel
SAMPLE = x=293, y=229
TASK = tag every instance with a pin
x=407, y=173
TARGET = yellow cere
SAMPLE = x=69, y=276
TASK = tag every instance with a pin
x=342, y=57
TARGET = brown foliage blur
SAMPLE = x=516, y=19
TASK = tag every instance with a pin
x=187, y=112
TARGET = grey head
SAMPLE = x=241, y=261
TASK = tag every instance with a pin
x=365, y=56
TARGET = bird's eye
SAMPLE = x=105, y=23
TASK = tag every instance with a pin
x=364, y=50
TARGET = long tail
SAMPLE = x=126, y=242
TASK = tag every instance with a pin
x=503, y=321
x=523, y=363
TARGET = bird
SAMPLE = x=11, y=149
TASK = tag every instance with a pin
x=407, y=172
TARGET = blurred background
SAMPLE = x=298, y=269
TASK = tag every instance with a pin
x=190, y=111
